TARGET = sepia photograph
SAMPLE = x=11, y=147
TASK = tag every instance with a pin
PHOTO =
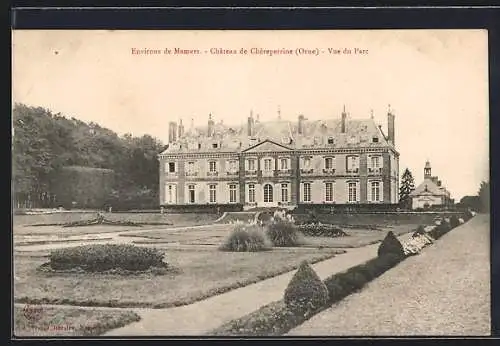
x=284, y=183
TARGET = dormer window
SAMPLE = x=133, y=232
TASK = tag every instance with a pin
x=375, y=139
x=330, y=140
x=215, y=145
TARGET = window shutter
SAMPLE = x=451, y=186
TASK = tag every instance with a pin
x=369, y=192
x=381, y=195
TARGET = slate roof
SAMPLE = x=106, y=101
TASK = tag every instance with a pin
x=431, y=187
x=359, y=133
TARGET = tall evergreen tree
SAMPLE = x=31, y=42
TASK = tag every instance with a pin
x=407, y=186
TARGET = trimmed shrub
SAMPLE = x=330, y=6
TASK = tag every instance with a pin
x=246, y=238
x=440, y=230
x=282, y=231
x=104, y=257
x=306, y=290
x=391, y=245
x=277, y=318
x=419, y=231
x=454, y=221
x=322, y=230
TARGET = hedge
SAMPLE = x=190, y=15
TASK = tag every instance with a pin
x=105, y=257
x=277, y=318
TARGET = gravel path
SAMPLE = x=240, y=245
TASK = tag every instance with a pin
x=443, y=291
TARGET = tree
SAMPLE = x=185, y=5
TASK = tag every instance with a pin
x=407, y=186
x=470, y=202
x=484, y=196
x=44, y=144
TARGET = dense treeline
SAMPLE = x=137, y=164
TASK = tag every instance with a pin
x=46, y=146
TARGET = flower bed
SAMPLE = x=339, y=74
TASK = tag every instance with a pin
x=104, y=258
x=278, y=318
x=322, y=230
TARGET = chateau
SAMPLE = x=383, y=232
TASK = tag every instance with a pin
x=430, y=192
x=280, y=163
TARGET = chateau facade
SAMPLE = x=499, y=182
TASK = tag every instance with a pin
x=280, y=163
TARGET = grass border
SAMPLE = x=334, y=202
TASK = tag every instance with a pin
x=276, y=319
x=177, y=303
x=122, y=319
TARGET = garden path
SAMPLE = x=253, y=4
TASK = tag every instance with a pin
x=445, y=290
x=203, y=316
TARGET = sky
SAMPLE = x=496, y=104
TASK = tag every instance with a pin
x=436, y=82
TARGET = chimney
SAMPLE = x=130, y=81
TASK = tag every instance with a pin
x=250, y=127
x=172, y=132
x=210, y=128
x=181, y=129
x=301, y=125
x=344, y=116
x=390, y=126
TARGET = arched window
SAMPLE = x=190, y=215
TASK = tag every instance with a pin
x=268, y=193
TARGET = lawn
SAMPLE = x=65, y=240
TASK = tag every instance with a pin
x=358, y=237
x=40, y=320
x=47, y=224
x=216, y=234
x=204, y=273
x=184, y=219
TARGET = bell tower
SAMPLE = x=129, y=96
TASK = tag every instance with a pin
x=427, y=170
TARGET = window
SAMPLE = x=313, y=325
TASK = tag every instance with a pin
x=284, y=192
x=212, y=166
x=352, y=164
x=232, y=193
x=190, y=167
x=251, y=165
x=170, y=194
x=191, y=193
x=268, y=164
x=375, y=139
x=283, y=164
x=352, y=189
x=329, y=163
x=212, y=193
x=307, y=192
x=375, y=191
x=214, y=145
x=329, y=192
x=199, y=145
x=268, y=193
x=171, y=167
x=330, y=140
x=251, y=193
x=375, y=162
x=307, y=162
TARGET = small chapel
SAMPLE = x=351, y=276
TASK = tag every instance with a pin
x=430, y=192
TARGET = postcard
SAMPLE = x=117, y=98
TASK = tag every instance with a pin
x=250, y=183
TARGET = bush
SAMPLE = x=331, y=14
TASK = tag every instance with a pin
x=391, y=245
x=103, y=257
x=277, y=318
x=454, y=221
x=306, y=290
x=419, y=231
x=282, y=231
x=322, y=230
x=440, y=230
x=246, y=238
